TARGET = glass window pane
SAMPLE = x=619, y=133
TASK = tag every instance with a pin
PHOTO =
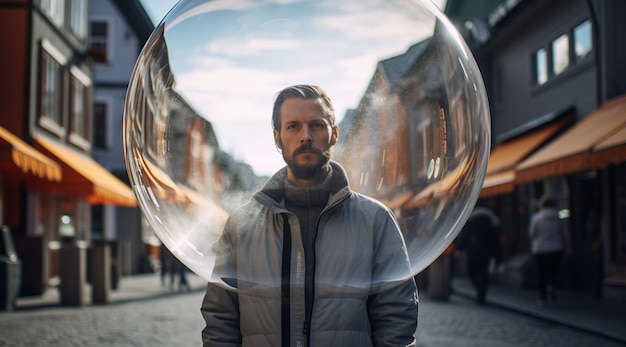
x=560, y=54
x=79, y=18
x=100, y=124
x=98, y=41
x=582, y=40
x=54, y=9
x=50, y=98
x=78, y=108
x=541, y=66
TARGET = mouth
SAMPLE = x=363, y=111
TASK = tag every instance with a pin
x=305, y=151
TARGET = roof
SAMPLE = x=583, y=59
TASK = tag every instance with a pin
x=394, y=68
x=137, y=17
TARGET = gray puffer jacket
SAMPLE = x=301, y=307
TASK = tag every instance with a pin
x=356, y=301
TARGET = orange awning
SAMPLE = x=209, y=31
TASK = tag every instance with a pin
x=83, y=176
x=158, y=181
x=439, y=189
x=611, y=150
x=18, y=159
x=498, y=183
x=500, y=177
x=571, y=152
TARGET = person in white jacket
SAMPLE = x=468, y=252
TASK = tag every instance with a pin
x=312, y=263
x=549, y=242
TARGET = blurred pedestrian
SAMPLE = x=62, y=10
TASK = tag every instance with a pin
x=167, y=265
x=549, y=241
x=181, y=270
x=479, y=240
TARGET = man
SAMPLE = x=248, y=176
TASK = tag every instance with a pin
x=313, y=263
x=480, y=240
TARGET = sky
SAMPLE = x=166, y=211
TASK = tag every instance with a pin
x=230, y=57
x=157, y=9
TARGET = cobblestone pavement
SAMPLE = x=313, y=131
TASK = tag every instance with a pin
x=174, y=320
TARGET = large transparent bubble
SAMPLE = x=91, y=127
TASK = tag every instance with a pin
x=408, y=96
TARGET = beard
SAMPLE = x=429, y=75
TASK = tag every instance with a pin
x=312, y=170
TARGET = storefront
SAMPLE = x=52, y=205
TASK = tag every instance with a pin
x=583, y=169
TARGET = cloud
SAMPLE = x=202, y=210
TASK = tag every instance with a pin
x=232, y=46
x=232, y=79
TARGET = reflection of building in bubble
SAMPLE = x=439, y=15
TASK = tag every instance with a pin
x=412, y=126
x=182, y=168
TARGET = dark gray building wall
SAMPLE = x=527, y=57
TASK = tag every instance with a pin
x=514, y=97
x=610, y=32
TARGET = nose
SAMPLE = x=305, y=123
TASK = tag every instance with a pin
x=306, y=136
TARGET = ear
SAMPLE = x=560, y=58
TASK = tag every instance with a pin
x=334, y=135
x=277, y=141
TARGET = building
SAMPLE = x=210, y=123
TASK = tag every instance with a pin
x=119, y=29
x=50, y=181
x=413, y=143
x=557, y=93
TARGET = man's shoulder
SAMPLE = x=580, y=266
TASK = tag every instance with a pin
x=365, y=201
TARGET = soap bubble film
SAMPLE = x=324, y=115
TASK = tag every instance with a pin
x=408, y=96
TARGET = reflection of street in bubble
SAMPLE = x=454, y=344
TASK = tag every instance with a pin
x=412, y=134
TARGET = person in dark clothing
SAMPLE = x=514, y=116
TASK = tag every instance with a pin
x=480, y=242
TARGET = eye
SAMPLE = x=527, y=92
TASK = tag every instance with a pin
x=291, y=126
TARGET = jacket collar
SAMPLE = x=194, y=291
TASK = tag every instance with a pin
x=273, y=193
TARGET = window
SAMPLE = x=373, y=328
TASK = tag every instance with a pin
x=582, y=40
x=54, y=10
x=97, y=222
x=78, y=18
x=79, y=110
x=98, y=46
x=100, y=125
x=541, y=66
x=51, y=88
x=563, y=52
x=560, y=54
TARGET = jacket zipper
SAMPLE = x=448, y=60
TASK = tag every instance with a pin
x=309, y=308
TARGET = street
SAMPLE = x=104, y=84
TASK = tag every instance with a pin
x=174, y=320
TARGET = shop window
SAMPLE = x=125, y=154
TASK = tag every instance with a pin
x=560, y=54
x=51, y=88
x=583, y=43
x=100, y=125
x=97, y=222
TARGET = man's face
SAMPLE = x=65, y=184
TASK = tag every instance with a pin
x=305, y=137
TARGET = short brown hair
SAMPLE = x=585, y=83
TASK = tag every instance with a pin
x=303, y=91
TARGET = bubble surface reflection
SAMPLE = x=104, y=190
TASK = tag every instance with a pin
x=409, y=98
